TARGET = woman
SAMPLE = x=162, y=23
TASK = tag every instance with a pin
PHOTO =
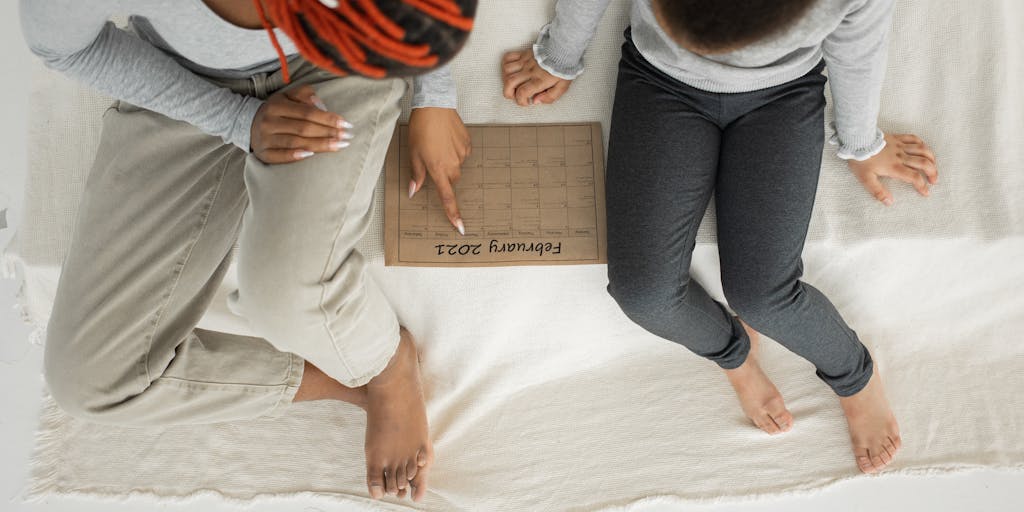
x=223, y=134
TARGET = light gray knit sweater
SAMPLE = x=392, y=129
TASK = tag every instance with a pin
x=851, y=35
x=156, y=65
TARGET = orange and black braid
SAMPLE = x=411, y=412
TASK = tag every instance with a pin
x=372, y=38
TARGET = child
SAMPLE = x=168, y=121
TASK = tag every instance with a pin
x=725, y=97
x=216, y=137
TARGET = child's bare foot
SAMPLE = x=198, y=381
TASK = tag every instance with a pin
x=760, y=399
x=873, y=428
x=398, y=448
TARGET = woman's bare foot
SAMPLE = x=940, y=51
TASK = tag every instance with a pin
x=873, y=428
x=317, y=385
x=760, y=399
x=398, y=448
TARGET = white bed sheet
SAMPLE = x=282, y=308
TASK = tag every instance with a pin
x=578, y=408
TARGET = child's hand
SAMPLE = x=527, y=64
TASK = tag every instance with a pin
x=907, y=158
x=438, y=144
x=527, y=83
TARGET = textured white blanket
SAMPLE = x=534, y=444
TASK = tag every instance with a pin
x=576, y=408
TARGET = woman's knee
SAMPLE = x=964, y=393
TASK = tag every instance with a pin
x=72, y=379
x=88, y=361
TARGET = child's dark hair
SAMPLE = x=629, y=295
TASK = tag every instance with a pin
x=716, y=25
x=373, y=38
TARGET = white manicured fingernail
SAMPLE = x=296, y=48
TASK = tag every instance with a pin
x=461, y=227
x=888, y=201
x=412, y=188
x=303, y=154
x=336, y=145
x=345, y=124
x=319, y=103
x=347, y=136
x=333, y=4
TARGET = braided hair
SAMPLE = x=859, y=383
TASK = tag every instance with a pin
x=372, y=38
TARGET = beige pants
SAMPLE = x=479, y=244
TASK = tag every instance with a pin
x=162, y=209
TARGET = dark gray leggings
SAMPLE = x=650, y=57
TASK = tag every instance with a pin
x=672, y=146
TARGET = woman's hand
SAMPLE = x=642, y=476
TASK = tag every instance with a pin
x=527, y=83
x=906, y=158
x=294, y=124
x=438, y=144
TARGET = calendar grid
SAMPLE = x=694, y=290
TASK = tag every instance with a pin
x=525, y=184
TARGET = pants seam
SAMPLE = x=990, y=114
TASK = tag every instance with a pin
x=207, y=208
x=334, y=247
x=854, y=340
x=691, y=234
x=205, y=384
x=296, y=371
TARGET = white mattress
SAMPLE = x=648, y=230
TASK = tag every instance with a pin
x=575, y=406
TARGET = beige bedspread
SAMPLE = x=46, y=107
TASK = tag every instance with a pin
x=579, y=409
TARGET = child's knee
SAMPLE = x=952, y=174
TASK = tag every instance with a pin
x=644, y=305
x=758, y=303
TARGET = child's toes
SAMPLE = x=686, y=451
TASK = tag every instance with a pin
x=864, y=463
x=890, y=448
x=783, y=418
x=895, y=442
x=766, y=423
x=886, y=455
x=878, y=462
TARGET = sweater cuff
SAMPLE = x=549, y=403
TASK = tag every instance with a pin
x=242, y=129
x=553, y=61
x=858, y=152
x=435, y=89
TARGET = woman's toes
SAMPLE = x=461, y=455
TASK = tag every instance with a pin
x=375, y=482
x=768, y=425
x=400, y=477
x=424, y=456
x=877, y=461
x=419, y=485
x=391, y=481
x=411, y=468
x=402, y=493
